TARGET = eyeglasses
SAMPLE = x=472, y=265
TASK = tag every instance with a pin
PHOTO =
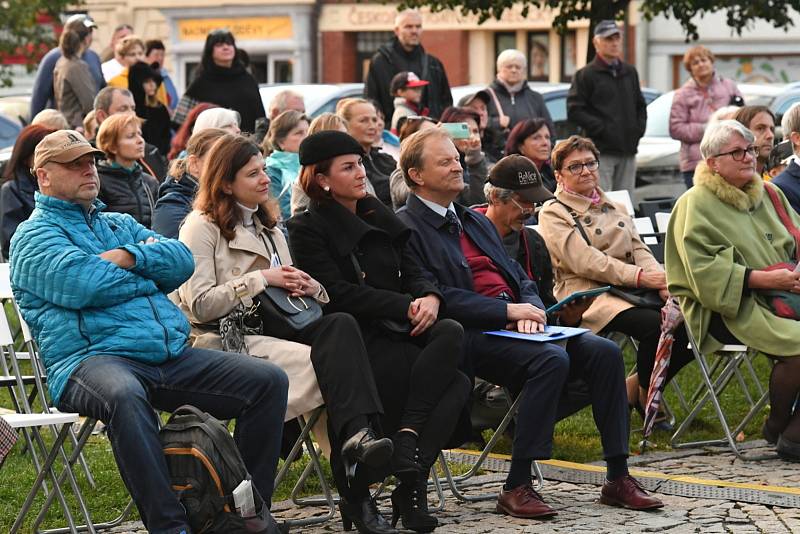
x=524, y=210
x=738, y=154
x=577, y=168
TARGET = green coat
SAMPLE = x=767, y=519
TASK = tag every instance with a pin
x=715, y=232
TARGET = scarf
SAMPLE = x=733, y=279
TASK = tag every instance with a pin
x=512, y=89
x=594, y=198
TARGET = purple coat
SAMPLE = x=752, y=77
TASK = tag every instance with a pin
x=692, y=105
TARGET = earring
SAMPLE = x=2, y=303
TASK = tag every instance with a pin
x=327, y=188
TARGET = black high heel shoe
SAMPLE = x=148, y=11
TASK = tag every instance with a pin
x=411, y=504
x=365, y=447
x=365, y=516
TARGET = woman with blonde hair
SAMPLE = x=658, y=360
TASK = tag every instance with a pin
x=124, y=186
x=176, y=193
x=363, y=125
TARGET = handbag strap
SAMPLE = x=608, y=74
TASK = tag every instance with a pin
x=785, y=219
x=578, y=225
x=357, y=267
x=496, y=100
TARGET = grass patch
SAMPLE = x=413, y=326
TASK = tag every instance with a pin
x=576, y=439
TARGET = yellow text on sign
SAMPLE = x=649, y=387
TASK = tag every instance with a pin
x=242, y=28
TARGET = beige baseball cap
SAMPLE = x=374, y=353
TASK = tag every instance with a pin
x=63, y=146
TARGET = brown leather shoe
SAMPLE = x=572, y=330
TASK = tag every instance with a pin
x=628, y=493
x=524, y=502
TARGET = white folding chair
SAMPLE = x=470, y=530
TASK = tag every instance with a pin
x=662, y=221
x=621, y=197
x=733, y=365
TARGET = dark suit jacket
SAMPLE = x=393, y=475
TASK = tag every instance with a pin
x=789, y=182
x=322, y=239
x=437, y=247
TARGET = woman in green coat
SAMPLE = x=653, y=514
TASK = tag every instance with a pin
x=722, y=233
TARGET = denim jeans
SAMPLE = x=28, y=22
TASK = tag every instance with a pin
x=123, y=393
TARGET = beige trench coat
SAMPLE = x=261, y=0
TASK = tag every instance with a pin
x=616, y=256
x=221, y=265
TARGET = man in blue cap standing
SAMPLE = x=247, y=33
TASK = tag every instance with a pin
x=606, y=101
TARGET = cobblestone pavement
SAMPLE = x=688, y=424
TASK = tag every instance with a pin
x=580, y=512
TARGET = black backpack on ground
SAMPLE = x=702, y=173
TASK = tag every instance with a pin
x=205, y=467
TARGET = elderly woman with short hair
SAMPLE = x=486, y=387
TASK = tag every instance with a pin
x=722, y=234
x=512, y=100
x=593, y=243
x=702, y=94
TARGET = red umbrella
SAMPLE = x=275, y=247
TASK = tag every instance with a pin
x=671, y=318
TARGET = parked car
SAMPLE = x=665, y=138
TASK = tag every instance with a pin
x=555, y=98
x=319, y=97
x=657, y=170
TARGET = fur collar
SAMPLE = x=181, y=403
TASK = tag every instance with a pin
x=744, y=199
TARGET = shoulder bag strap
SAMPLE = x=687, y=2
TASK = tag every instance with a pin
x=496, y=100
x=785, y=219
x=578, y=225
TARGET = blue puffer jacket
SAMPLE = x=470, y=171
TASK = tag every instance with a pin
x=79, y=305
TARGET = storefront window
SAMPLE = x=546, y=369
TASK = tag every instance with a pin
x=504, y=41
x=539, y=56
x=367, y=43
x=569, y=55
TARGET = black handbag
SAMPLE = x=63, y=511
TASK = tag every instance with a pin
x=283, y=315
x=641, y=297
x=390, y=326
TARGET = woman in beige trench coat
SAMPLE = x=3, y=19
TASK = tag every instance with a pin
x=238, y=252
x=609, y=251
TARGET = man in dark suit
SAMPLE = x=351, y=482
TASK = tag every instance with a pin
x=484, y=289
x=789, y=179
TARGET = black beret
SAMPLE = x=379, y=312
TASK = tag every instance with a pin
x=326, y=145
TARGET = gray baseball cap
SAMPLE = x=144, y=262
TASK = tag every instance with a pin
x=606, y=28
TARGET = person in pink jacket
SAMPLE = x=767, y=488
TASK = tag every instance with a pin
x=702, y=94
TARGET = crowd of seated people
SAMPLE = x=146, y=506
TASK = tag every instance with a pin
x=132, y=257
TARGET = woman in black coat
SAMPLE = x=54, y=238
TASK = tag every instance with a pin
x=222, y=79
x=355, y=246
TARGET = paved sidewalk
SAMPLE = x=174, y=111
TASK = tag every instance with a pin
x=580, y=512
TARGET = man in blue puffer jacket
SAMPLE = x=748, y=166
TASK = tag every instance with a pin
x=92, y=286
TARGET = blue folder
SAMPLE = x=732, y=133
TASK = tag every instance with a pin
x=550, y=334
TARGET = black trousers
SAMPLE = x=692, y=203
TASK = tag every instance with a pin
x=421, y=387
x=644, y=325
x=539, y=371
x=342, y=367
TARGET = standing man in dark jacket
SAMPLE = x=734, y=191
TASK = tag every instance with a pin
x=484, y=289
x=405, y=53
x=606, y=101
x=789, y=179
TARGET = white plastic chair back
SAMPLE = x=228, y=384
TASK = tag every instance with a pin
x=662, y=221
x=5, y=281
x=621, y=197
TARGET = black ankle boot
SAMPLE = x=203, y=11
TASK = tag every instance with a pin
x=365, y=516
x=365, y=447
x=410, y=502
x=406, y=457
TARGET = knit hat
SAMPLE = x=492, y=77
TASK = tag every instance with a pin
x=326, y=145
x=519, y=174
x=62, y=146
x=405, y=79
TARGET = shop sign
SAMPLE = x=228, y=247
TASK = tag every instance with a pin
x=246, y=28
